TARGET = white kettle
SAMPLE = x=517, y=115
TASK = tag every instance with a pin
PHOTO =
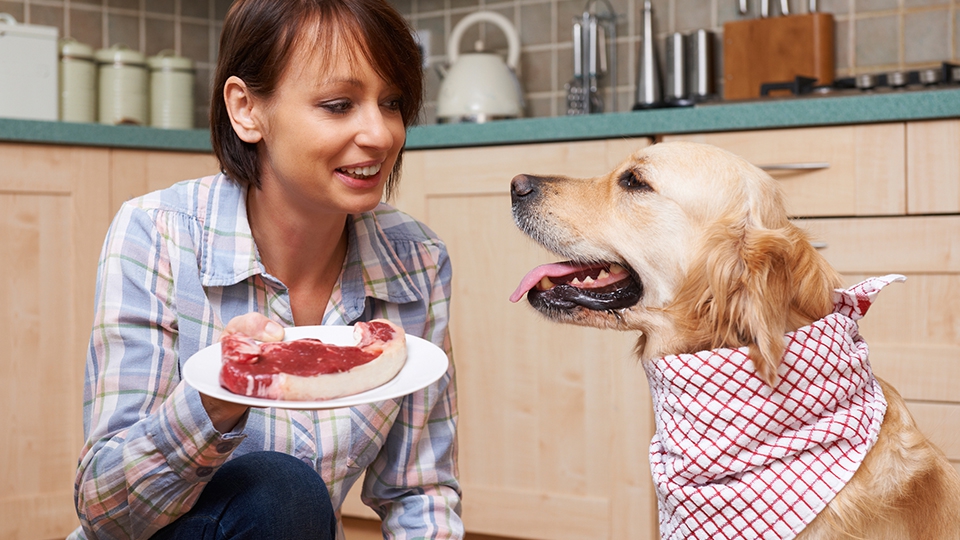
x=478, y=86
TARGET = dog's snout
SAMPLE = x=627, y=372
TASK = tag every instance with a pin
x=522, y=186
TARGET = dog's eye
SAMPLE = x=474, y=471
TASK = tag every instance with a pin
x=631, y=180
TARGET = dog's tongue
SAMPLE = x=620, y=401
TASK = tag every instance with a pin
x=530, y=280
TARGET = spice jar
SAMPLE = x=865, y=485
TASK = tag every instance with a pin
x=123, y=86
x=171, y=91
x=78, y=82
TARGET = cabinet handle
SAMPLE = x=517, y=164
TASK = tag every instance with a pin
x=819, y=245
x=810, y=166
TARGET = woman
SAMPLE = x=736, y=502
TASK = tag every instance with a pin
x=311, y=102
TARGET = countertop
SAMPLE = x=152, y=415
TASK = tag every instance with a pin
x=721, y=116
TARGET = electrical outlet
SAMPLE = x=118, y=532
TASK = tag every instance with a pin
x=423, y=40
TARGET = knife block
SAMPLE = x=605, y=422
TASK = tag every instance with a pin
x=776, y=49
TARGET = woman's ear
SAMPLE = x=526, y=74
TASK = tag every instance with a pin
x=242, y=107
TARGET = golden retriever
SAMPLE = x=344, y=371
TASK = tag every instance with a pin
x=691, y=246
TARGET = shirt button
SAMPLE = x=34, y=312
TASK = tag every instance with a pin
x=224, y=447
x=204, y=471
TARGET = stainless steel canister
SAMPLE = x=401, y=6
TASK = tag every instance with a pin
x=675, y=88
x=171, y=91
x=701, y=84
x=78, y=82
x=123, y=86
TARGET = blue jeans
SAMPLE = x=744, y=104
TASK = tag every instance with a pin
x=259, y=496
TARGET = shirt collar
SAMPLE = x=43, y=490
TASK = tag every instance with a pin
x=372, y=267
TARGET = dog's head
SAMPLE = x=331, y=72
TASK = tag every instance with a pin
x=687, y=243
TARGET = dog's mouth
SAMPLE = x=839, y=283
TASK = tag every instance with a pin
x=565, y=285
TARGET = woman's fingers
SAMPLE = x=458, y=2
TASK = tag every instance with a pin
x=256, y=326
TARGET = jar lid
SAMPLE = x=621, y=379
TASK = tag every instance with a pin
x=71, y=48
x=120, y=55
x=167, y=60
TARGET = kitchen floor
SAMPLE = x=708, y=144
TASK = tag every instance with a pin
x=368, y=529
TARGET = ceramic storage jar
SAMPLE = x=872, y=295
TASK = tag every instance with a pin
x=171, y=91
x=78, y=82
x=123, y=86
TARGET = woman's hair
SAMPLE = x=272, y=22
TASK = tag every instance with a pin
x=260, y=36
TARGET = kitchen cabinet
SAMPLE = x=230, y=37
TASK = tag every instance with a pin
x=902, y=216
x=56, y=203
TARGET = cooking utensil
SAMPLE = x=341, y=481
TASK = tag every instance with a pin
x=576, y=93
x=595, y=60
x=648, y=82
x=593, y=32
x=479, y=86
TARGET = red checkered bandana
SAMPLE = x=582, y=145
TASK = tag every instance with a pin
x=733, y=458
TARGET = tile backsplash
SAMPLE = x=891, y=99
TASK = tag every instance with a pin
x=871, y=35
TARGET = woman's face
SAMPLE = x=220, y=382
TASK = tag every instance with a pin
x=330, y=133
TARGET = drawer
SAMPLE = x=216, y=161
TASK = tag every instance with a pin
x=933, y=167
x=854, y=170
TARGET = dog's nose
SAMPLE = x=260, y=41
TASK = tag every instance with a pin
x=521, y=186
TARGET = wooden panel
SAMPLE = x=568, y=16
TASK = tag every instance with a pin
x=137, y=172
x=933, y=167
x=928, y=244
x=53, y=215
x=866, y=166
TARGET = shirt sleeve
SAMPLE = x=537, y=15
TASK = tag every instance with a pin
x=150, y=446
x=413, y=482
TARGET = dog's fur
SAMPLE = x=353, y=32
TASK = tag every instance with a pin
x=706, y=237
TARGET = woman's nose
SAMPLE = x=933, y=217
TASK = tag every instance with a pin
x=374, y=129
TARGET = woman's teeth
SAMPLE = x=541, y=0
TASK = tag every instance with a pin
x=362, y=172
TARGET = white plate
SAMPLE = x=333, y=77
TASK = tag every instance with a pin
x=425, y=364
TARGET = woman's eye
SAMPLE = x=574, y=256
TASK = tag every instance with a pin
x=336, y=107
x=393, y=103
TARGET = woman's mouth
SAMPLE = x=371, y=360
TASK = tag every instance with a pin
x=361, y=173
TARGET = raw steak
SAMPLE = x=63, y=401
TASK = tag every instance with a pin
x=309, y=369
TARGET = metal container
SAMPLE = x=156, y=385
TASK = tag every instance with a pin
x=675, y=88
x=701, y=75
x=171, y=91
x=78, y=82
x=648, y=72
x=123, y=86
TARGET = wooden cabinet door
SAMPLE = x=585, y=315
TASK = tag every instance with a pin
x=933, y=167
x=555, y=420
x=56, y=203
x=53, y=214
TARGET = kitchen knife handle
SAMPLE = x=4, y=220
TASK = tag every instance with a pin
x=764, y=8
x=743, y=7
x=809, y=166
x=784, y=7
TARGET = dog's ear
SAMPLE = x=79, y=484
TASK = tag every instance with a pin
x=749, y=286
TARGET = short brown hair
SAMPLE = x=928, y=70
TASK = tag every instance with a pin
x=258, y=40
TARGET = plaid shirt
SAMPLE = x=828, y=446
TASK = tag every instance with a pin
x=178, y=264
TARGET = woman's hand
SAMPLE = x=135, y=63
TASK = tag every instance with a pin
x=224, y=414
